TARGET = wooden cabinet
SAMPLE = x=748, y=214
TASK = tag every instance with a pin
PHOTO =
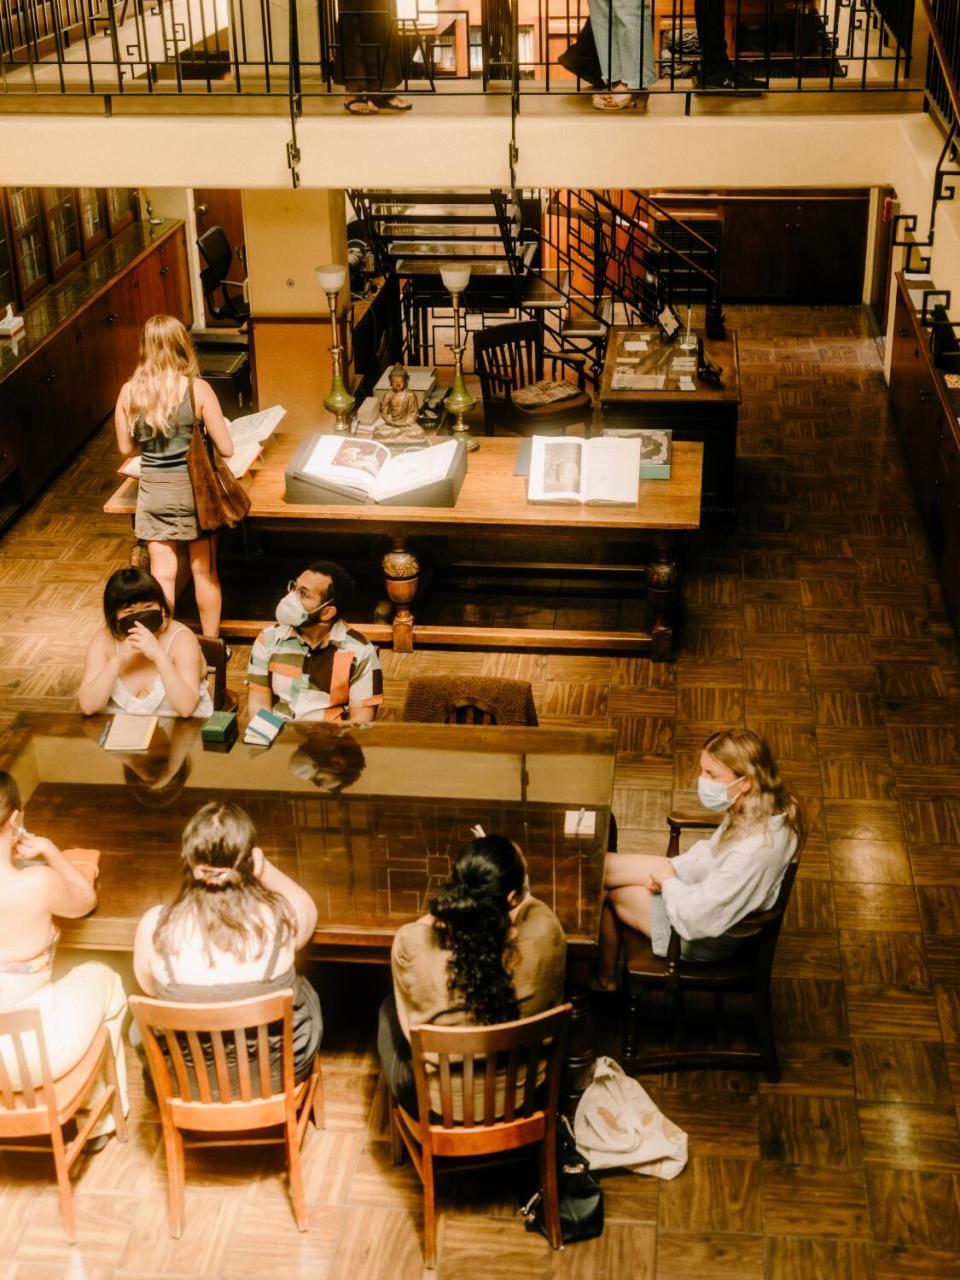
x=809, y=247
x=926, y=416
x=60, y=392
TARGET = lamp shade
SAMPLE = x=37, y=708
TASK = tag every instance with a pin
x=331, y=278
x=455, y=277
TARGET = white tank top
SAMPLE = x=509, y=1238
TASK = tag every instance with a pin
x=155, y=701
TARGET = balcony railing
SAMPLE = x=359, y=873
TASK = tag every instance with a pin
x=262, y=48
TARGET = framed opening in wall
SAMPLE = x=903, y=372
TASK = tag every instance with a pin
x=121, y=208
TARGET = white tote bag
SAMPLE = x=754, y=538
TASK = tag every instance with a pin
x=618, y=1126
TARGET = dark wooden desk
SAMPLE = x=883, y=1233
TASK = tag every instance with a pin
x=371, y=849
x=707, y=414
x=493, y=501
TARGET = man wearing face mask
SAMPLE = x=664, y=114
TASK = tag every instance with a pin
x=311, y=666
x=141, y=661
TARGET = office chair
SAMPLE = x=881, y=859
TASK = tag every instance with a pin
x=217, y=252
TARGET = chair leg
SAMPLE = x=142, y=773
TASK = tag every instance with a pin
x=551, y=1190
x=763, y=1017
x=110, y=1068
x=173, y=1150
x=63, y=1184
x=630, y=1021
x=396, y=1142
x=318, y=1108
x=295, y=1172
x=429, y=1211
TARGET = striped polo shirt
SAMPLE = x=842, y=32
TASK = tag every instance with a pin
x=316, y=684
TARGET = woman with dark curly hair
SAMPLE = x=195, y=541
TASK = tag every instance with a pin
x=487, y=952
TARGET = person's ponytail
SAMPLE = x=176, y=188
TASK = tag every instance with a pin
x=472, y=920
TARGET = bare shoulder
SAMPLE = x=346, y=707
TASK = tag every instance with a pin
x=100, y=643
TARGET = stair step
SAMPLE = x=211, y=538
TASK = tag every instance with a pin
x=431, y=267
x=440, y=213
x=546, y=289
x=432, y=231
x=439, y=250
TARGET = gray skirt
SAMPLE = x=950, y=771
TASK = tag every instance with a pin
x=166, y=511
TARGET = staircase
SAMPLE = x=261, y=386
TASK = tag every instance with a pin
x=580, y=261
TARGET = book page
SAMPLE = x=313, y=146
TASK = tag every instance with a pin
x=411, y=470
x=257, y=426
x=128, y=733
x=611, y=468
x=556, y=470
x=347, y=462
x=130, y=466
x=243, y=457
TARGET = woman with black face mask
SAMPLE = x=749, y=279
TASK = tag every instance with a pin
x=142, y=662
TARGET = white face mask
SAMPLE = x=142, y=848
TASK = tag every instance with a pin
x=291, y=613
x=714, y=794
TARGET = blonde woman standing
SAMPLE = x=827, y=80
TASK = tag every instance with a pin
x=156, y=412
x=718, y=881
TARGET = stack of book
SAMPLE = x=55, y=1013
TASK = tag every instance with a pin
x=263, y=728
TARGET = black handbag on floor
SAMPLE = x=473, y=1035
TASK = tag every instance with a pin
x=581, y=1196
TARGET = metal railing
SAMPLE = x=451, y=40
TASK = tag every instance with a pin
x=251, y=48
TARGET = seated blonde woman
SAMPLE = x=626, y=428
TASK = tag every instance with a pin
x=73, y=1007
x=705, y=891
x=141, y=661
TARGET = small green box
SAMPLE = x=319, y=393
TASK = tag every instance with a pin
x=220, y=730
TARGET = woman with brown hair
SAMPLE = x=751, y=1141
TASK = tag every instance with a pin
x=234, y=929
x=705, y=891
x=156, y=413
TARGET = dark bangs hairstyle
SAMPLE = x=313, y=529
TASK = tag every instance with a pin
x=9, y=796
x=130, y=586
x=471, y=915
x=220, y=895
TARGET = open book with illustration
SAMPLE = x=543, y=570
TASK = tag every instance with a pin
x=606, y=469
x=367, y=471
x=248, y=434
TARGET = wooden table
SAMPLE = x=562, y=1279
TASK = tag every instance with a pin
x=493, y=501
x=707, y=414
x=371, y=844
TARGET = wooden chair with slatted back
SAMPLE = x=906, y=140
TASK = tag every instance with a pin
x=748, y=971
x=482, y=700
x=42, y=1110
x=510, y=358
x=198, y=1091
x=498, y=1093
x=464, y=711
x=215, y=655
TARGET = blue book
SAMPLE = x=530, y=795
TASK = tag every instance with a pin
x=263, y=728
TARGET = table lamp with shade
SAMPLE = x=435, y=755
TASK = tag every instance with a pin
x=456, y=277
x=339, y=401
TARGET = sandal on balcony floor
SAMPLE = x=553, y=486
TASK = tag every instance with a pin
x=361, y=107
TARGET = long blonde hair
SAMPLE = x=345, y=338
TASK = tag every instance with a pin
x=749, y=756
x=166, y=355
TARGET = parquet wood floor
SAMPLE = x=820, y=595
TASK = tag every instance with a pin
x=821, y=624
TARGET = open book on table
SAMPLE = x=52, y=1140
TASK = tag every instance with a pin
x=366, y=471
x=248, y=434
x=606, y=469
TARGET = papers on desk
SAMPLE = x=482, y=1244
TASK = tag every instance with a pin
x=248, y=434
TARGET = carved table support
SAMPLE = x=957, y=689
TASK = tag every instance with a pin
x=663, y=592
x=402, y=571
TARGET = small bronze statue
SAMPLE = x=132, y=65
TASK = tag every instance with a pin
x=398, y=409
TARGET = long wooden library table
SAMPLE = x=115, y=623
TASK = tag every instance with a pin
x=493, y=501
x=367, y=818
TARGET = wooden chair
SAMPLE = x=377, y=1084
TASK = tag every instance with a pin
x=489, y=1075
x=31, y=1111
x=235, y=1092
x=215, y=656
x=483, y=700
x=509, y=357
x=746, y=971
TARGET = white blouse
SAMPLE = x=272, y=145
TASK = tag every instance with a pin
x=713, y=889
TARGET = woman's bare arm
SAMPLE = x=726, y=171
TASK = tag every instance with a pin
x=209, y=411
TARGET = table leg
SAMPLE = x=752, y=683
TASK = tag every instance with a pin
x=582, y=1042
x=402, y=571
x=663, y=592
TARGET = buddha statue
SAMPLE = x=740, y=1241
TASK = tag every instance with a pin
x=398, y=409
